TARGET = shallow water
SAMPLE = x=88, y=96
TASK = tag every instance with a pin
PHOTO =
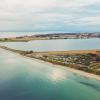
x=26, y=79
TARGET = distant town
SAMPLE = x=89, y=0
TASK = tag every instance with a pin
x=27, y=38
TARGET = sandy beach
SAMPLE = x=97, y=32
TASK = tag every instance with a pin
x=82, y=73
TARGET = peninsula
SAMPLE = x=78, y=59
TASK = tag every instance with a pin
x=85, y=60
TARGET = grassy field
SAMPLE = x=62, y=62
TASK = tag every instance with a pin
x=71, y=52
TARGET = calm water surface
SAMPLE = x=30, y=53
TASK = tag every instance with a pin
x=26, y=79
x=56, y=45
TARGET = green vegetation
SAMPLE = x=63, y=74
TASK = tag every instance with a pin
x=86, y=62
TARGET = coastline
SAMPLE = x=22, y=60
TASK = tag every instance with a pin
x=79, y=72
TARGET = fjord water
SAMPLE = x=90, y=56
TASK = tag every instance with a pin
x=56, y=45
x=29, y=79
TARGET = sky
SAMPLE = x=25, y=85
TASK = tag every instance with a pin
x=50, y=15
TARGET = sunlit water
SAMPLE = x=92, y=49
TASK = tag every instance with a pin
x=56, y=45
x=26, y=79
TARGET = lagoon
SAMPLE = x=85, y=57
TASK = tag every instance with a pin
x=56, y=45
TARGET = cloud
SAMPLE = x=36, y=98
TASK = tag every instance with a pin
x=49, y=15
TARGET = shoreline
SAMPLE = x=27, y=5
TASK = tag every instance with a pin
x=79, y=72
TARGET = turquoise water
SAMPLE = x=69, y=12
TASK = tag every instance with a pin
x=26, y=79
x=56, y=45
